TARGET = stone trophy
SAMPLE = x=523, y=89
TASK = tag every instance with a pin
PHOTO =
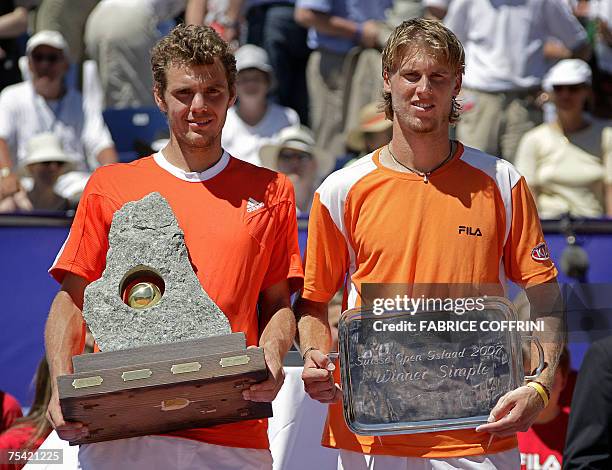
x=412, y=379
x=168, y=359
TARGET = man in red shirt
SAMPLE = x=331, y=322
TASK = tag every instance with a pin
x=241, y=232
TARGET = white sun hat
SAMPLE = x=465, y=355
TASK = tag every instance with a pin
x=567, y=72
x=45, y=147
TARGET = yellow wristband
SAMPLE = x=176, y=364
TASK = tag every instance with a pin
x=538, y=388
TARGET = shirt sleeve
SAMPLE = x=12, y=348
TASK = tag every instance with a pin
x=285, y=259
x=526, y=257
x=563, y=25
x=7, y=119
x=84, y=251
x=323, y=6
x=327, y=258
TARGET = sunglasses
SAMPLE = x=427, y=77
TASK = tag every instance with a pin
x=287, y=154
x=51, y=58
x=570, y=88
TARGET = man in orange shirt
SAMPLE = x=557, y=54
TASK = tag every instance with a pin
x=396, y=216
x=241, y=232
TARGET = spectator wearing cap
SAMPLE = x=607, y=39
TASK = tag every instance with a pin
x=271, y=25
x=254, y=120
x=568, y=162
x=293, y=153
x=44, y=163
x=46, y=104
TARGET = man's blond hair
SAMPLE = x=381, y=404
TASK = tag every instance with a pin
x=188, y=45
x=430, y=37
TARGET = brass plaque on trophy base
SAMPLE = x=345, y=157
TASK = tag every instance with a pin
x=161, y=388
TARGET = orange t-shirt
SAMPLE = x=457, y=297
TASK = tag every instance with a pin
x=240, y=229
x=371, y=224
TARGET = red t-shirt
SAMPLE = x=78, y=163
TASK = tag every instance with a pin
x=10, y=410
x=16, y=438
x=542, y=446
x=240, y=229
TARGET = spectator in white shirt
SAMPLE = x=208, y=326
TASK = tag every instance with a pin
x=45, y=104
x=568, y=162
x=254, y=120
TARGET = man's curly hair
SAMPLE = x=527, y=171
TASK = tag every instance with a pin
x=190, y=45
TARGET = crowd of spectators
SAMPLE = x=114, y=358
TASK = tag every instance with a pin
x=317, y=63
x=537, y=91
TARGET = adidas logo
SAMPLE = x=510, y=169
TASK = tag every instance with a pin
x=253, y=205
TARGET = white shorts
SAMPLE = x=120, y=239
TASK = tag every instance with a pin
x=167, y=453
x=508, y=460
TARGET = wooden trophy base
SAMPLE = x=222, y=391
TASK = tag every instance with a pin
x=162, y=388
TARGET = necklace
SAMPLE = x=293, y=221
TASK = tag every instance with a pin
x=424, y=175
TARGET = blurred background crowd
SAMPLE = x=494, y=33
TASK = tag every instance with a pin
x=76, y=93
x=76, y=89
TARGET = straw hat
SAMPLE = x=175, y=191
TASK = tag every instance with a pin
x=371, y=119
x=45, y=147
x=298, y=138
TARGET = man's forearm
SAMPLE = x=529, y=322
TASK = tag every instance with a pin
x=327, y=24
x=5, y=155
x=63, y=335
x=14, y=23
x=277, y=336
x=313, y=326
x=195, y=11
x=547, y=305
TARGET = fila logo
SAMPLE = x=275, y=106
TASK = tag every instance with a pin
x=540, y=252
x=253, y=205
x=470, y=231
